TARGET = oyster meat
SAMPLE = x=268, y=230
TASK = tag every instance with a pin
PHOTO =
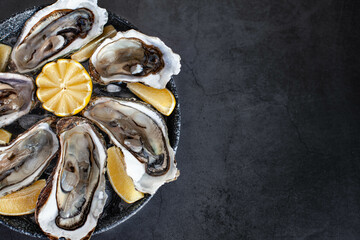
x=26, y=158
x=16, y=97
x=132, y=56
x=57, y=30
x=141, y=134
x=74, y=197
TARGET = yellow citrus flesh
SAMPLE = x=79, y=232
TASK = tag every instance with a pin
x=120, y=181
x=161, y=99
x=64, y=87
x=23, y=201
x=5, y=51
x=86, y=51
x=4, y=136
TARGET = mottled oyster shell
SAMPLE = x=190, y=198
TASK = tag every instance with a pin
x=74, y=197
x=26, y=158
x=16, y=97
x=132, y=56
x=141, y=134
x=55, y=31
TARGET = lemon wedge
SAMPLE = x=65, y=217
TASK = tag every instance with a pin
x=23, y=201
x=4, y=136
x=86, y=51
x=5, y=51
x=64, y=87
x=161, y=99
x=120, y=181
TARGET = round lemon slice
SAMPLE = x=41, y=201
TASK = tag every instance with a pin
x=161, y=99
x=23, y=201
x=120, y=181
x=64, y=87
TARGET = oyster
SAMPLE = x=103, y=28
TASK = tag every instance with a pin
x=134, y=57
x=141, y=133
x=16, y=97
x=57, y=30
x=74, y=197
x=25, y=159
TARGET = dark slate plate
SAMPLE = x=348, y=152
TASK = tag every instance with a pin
x=116, y=211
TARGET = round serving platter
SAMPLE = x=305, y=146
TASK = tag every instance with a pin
x=116, y=211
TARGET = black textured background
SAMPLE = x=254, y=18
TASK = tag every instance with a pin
x=270, y=140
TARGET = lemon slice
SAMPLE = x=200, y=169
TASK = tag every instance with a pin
x=161, y=99
x=64, y=87
x=4, y=136
x=23, y=201
x=85, y=52
x=120, y=181
x=5, y=51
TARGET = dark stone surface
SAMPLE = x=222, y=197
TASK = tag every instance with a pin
x=270, y=142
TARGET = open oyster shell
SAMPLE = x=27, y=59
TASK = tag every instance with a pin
x=26, y=158
x=55, y=31
x=74, y=196
x=16, y=97
x=132, y=56
x=141, y=134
